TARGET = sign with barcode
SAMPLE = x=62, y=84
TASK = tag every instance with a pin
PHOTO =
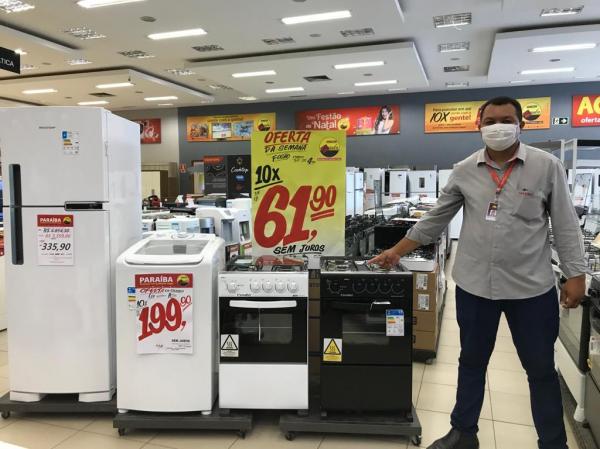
x=55, y=239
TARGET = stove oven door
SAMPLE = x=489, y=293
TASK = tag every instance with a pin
x=265, y=330
x=368, y=337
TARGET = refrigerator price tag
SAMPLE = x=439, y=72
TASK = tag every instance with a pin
x=394, y=323
x=423, y=302
x=165, y=318
x=230, y=345
x=55, y=240
x=332, y=349
x=421, y=281
x=70, y=142
x=594, y=345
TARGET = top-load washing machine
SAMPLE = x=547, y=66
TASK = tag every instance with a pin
x=166, y=314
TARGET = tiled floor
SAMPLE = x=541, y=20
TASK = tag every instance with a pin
x=505, y=423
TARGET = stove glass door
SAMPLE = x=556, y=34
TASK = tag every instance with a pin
x=269, y=330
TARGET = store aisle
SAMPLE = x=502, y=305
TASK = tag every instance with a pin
x=505, y=423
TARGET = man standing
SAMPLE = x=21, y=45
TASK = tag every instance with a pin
x=503, y=265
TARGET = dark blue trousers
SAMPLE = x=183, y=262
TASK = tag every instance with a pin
x=533, y=324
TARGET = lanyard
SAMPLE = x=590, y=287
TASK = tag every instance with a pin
x=500, y=183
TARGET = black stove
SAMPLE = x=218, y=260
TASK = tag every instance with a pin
x=366, y=337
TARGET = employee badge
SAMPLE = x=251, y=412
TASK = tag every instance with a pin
x=492, y=211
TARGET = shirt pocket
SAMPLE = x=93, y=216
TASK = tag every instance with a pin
x=530, y=207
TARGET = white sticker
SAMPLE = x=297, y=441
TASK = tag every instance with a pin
x=70, y=141
x=594, y=345
x=165, y=318
x=421, y=281
x=423, y=302
x=230, y=345
x=394, y=319
x=55, y=239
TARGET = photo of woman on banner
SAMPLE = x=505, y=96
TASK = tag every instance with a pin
x=385, y=120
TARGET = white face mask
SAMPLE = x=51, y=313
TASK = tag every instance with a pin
x=501, y=136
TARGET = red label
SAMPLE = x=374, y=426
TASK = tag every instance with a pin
x=586, y=110
x=56, y=221
x=164, y=280
x=214, y=160
x=354, y=121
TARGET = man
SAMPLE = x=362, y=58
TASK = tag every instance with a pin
x=503, y=265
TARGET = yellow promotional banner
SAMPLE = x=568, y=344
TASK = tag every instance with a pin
x=228, y=127
x=463, y=116
x=298, y=193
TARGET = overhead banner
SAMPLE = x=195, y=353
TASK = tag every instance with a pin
x=363, y=121
x=228, y=127
x=9, y=60
x=298, y=187
x=586, y=111
x=463, y=116
x=150, y=131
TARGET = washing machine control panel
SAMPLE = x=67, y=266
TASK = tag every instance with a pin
x=263, y=284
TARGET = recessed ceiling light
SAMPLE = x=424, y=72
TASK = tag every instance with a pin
x=284, y=89
x=350, y=92
x=136, y=54
x=20, y=51
x=397, y=89
x=454, y=85
x=457, y=68
x=99, y=3
x=148, y=19
x=552, y=12
x=248, y=98
x=209, y=47
x=92, y=103
x=333, y=15
x=452, y=20
x=114, y=85
x=10, y=6
x=566, y=47
x=84, y=33
x=181, y=72
x=279, y=40
x=451, y=47
x=315, y=35
x=165, y=104
x=359, y=32
x=520, y=81
x=356, y=65
x=176, y=34
x=39, y=91
x=375, y=83
x=220, y=87
x=29, y=67
x=250, y=74
x=556, y=70
x=79, y=61
x=166, y=98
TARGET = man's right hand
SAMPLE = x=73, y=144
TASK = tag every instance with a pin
x=386, y=259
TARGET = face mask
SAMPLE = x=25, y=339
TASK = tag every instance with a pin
x=501, y=136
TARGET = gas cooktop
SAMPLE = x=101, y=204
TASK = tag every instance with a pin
x=351, y=265
x=267, y=265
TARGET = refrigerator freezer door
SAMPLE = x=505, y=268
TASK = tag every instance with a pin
x=60, y=316
x=61, y=153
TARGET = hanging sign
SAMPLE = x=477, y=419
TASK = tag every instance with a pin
x=362, y=121
x=228, y=127
x=586, y=111
x=10, y=61
x=55, y=239
x=298, y=185
x=164, y=305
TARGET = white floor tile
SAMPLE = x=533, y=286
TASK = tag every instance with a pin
x=508, y=381
x=512, y=436
x=88, y=440
x=195, y=439
x=104, y=426
x=418, y=370
x=505, y=344
x=33, y=435
x=511, y=408
x=506, y=361
x=442, y=398
x=69, y=421
x=441, y=373
x=448, y=354
x=362, y=442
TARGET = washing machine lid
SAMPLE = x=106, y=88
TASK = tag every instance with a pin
x=171, y=249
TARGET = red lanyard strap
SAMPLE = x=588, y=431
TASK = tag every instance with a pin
x=500, y=183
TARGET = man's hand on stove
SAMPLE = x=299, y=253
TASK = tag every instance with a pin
x=391, y=257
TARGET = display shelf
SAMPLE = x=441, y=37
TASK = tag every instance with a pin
x=217, y=420
x=56, y=403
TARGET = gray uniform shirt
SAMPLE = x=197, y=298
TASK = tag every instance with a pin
x=509, y=258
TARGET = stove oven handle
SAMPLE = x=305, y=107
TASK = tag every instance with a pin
x=241, y=304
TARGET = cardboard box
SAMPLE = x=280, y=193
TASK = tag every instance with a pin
x=424, y=340
x=424, y=321
x=425, y=290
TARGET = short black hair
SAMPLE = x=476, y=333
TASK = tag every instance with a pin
x=499, y=101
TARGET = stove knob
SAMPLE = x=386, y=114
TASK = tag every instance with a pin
x=231, y=287
x=279, y=287
x=255, y=286
x=267, y=286
x=358, y=286
x=292, y=287
x=371, y=286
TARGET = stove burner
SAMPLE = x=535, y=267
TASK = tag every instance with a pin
x=287, y=268
x=342, y=264
x=262, y=264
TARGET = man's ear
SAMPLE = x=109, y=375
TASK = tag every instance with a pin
x=522, y=124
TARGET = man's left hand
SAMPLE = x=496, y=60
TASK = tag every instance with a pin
x=573, y=292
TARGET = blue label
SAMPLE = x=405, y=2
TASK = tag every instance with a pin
x=394, y=312
x=130, y=290
x=64, y=134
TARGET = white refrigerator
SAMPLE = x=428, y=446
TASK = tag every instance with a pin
x=72, y=204
x=456, y=223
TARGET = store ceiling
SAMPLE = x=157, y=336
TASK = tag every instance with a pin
x=240, y=38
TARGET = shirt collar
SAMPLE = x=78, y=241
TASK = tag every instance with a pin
x=521, y=153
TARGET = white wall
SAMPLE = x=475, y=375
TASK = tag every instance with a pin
x=168, y=149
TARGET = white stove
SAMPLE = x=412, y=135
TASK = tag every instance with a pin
x=263, y=327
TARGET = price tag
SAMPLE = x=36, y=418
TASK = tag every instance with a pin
x=55, y=239
x=164, y=305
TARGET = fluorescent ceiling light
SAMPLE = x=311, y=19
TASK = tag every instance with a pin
x=346, y=93
x=566, y=47
x=167, y=98
x=175, y=34
x=99, y=3
x=80, y=61
x=520, y=81
x=250, y=74
x=397, y=89
x=333, y=15
x=375, y=83
x=284, y=89
x=39, y=91
x=556, y=70
x=553, y=12
x=20, y=51
x=92, y=103
x=165, y=104
x=9, y=6
x=248, y=98
x=356, y=65
x=113, y=85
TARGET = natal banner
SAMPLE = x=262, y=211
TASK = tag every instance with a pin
x=298, y=188
x=463, y=116
x=228, y=127
x=362, y=121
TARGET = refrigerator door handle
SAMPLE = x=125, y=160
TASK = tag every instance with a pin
x=16, y=213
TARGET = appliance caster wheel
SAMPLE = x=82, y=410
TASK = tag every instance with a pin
x=122, y=431
x=429, y=361
x=224, y=412
x=303, y=413
x=5, y=415
x=323, y=414
x=417, y=440
x=241, y=434
x=290, y=436
x=586, y=425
